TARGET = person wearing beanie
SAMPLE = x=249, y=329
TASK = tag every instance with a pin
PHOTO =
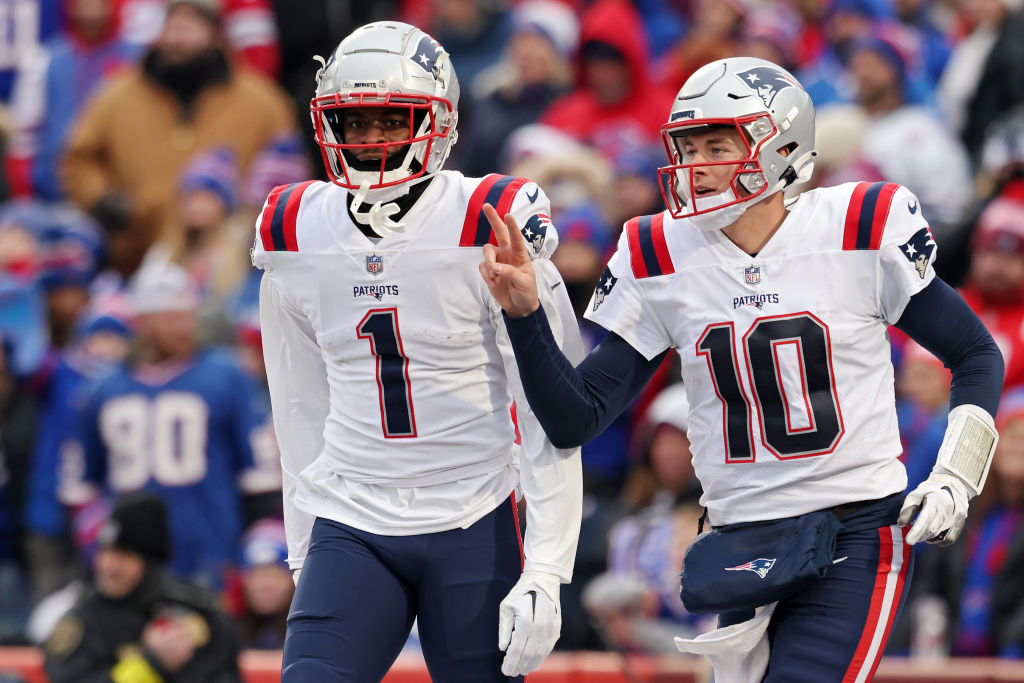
x=534, y=71
x=995, y=281
x=934, y=166
x=136, y=624
x=266, y=586
x=188, y=429
x=100, y=341
x=207, y=241
x=127, y=151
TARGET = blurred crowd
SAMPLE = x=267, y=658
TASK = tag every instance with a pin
x=140, y=139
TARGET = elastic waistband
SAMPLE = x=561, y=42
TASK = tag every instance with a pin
x=870, y=513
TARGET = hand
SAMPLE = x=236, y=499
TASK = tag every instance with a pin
x=507, y=268
x=529, y=622
x=170, y=641
x=940, y=502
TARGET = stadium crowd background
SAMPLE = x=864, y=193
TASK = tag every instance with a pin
x=141, y=137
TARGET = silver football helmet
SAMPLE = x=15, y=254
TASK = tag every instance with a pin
x=772, y=113
x=395, y=65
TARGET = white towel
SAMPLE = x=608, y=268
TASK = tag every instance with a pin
x=738, y=653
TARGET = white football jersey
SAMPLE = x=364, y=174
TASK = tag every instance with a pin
x=392, y=379
x=785, y=355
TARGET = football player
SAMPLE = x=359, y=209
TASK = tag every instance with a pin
x=405, y=438
x=778, y=309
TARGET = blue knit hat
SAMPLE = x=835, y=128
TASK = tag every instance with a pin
x=215, y=170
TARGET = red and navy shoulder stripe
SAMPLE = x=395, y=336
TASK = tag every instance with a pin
x=648, y=250
x=497, y=190
x=866, y=215
x=277, y=227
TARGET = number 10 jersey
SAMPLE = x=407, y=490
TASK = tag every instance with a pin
x=785, y=354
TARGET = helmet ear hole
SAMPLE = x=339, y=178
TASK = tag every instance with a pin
x=786, y=150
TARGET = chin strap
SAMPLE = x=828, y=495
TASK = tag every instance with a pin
x=378, y=217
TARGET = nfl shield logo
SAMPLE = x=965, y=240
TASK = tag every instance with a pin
x=374, y=265
x=752, y=275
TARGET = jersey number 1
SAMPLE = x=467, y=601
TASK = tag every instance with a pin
x=761, y=352
x=380, y=327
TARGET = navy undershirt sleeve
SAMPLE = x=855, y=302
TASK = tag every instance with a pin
x=940, y=320
x=575, y=404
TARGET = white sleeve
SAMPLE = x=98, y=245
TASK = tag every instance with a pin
x=299, y=397
x=906, y=256
x=551, y=478
x=618, y=306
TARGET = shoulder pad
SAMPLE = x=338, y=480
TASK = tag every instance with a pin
x=277, y=223
x=497, y=190
x=866, y=215
x=648, y=250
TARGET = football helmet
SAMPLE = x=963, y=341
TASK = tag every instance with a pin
x=770, y=110
x=393, y=65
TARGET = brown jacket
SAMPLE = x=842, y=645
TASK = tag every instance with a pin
x=135, y=138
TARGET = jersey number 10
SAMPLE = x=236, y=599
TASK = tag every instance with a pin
x=761, y=347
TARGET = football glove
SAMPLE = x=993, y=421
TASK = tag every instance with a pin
x=529, y=622
x=940, y=501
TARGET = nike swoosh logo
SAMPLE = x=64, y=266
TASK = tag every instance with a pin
x=555, y=285
x=845, y=557
x=912, y=207
x=533, y=197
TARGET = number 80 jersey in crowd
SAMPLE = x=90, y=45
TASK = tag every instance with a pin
x=412, y=376
x=785, y=355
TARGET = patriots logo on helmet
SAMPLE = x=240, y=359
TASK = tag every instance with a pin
x=427, y=53
x=919, y=250
x=535, y=230
x=767, y=82
x=604, y=287
x=761, y=566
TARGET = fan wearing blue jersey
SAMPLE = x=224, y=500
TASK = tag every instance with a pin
x=181, y=422
x=779, y=311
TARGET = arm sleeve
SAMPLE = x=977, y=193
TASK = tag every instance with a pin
x=300, y=397
x=940, y=320
x=551, y=478
x=575, y=404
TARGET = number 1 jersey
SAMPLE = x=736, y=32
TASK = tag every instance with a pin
x=785, y=355
x=392, y=378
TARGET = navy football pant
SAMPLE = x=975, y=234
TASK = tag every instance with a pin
x=358, y=594
x=837, y=629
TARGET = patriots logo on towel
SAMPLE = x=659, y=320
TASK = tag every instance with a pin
x=919, y=250
x=766, y=81
x=604, y=287
x=535, y=230
x=761, y=566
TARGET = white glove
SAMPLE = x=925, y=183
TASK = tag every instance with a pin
x=295, y=576
x=529, y=622
x=940, y=502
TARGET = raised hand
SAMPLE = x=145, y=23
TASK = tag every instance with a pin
x=507, y=269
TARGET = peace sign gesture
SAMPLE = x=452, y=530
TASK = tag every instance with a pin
x=507, y=268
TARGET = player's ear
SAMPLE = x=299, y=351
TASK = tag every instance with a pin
x=786, y=150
